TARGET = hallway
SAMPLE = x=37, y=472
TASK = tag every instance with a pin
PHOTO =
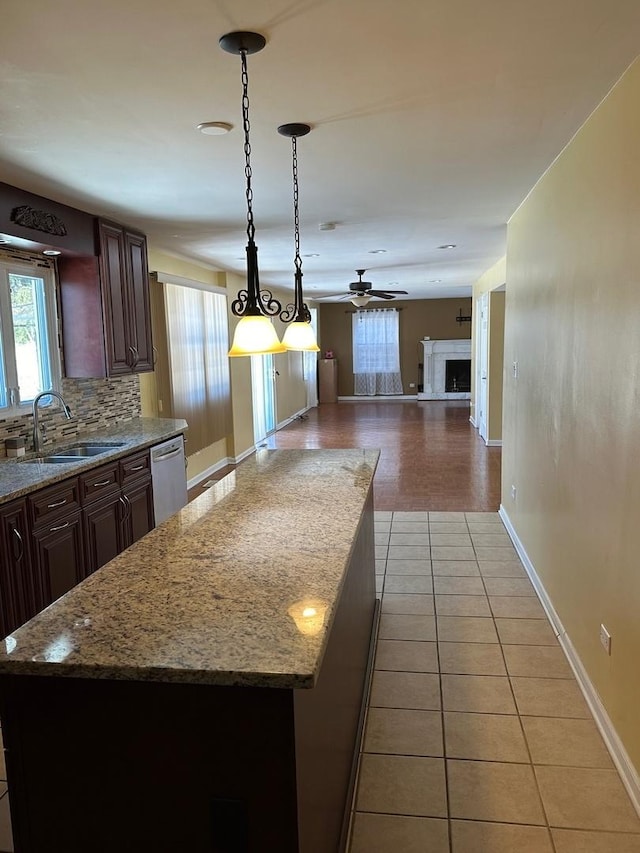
x=431, y=457
x=478, y=739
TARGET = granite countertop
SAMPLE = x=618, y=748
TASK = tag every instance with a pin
x=25, y=474
x=211, y=595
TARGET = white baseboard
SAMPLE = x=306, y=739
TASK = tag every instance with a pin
x=383, y=398
x=195, y=481
x=472, y=421
x=236, y=460
x=619, y=755
x=290, y=420
x=493, y=442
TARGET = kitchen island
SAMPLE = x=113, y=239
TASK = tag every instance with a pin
x=203, y=691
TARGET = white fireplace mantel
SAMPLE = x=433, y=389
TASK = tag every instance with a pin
x=436, y=355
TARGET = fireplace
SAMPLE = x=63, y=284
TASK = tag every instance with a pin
x=457, y=375
x=447, y=370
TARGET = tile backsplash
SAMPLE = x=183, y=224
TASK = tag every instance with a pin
x=94, y=403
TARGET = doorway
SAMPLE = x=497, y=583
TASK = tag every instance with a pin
x=482, y=358
x=263, y=390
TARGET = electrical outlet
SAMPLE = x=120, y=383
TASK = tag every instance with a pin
x=605, y=639
x=514, y=492
x=412, y=385
x=515, y=369
x=159, y=405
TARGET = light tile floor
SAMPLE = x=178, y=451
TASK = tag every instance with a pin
x=478, y=739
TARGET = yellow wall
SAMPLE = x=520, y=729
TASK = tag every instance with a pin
x=572, y=417
x=433, y=318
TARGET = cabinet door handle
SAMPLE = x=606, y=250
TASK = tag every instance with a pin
x=137, y=468
x=101, y=483
x=59, y=527
x=20, y=553
x=135, y=358
x=155, y=355
x=58, y=503
x=128, y=504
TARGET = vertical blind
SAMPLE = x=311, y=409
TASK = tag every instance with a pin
x=198, y=340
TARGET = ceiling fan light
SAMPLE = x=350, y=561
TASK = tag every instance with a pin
x=301, y=337
x=255, y=335
x=360, y=301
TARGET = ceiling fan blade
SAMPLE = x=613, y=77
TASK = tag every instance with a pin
x=381, y=294
x=394, y=291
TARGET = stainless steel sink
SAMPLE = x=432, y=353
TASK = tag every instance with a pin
x=74, y=454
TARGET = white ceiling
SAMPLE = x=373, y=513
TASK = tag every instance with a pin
x=432, y=119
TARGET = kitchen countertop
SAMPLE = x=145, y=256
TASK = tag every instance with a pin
x=208, y=596
x=20, y=476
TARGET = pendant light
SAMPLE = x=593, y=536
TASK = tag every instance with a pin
x=299, y=335
x=255, y=333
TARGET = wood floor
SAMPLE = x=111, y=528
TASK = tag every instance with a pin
x=431, y=457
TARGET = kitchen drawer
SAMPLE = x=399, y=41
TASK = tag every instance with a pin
x=54, y=501
x=134, y=467
x=99, y=483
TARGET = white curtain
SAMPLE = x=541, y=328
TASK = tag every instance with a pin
x=198, y=341
x=376, y=352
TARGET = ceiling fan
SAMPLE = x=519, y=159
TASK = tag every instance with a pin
x=360, y=292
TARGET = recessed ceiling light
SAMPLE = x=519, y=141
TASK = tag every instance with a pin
x=448, y=246
x=378, y=252
x=52, y=252
x=434, y=281
x=311, y=255
x=214, y=128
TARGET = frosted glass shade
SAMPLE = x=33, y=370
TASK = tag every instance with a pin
x=255, y=335
x=360, y=301
x=300, y=336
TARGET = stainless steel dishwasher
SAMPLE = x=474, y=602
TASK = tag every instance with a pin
x=169, y=478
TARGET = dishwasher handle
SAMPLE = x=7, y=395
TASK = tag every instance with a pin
x=167, y=455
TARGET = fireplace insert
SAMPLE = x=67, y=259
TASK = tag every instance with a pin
x=457, y=375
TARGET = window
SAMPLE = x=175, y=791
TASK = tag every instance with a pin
x=376, y=352
x=29, y=358
x=198, y=341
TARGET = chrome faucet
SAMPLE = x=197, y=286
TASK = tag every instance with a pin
x=36, y=426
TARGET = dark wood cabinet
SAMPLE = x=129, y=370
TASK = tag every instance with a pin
x=118, y=507
x=57, y=536
x=59, y=558
x=139, y=502
x=139, y=314
x=17, y=592
x=106, y=314
x=104, y=531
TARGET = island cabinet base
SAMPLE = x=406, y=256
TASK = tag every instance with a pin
x=149, y=767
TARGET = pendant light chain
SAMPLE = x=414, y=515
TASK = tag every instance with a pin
x=296, y=215
x=251, y=230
